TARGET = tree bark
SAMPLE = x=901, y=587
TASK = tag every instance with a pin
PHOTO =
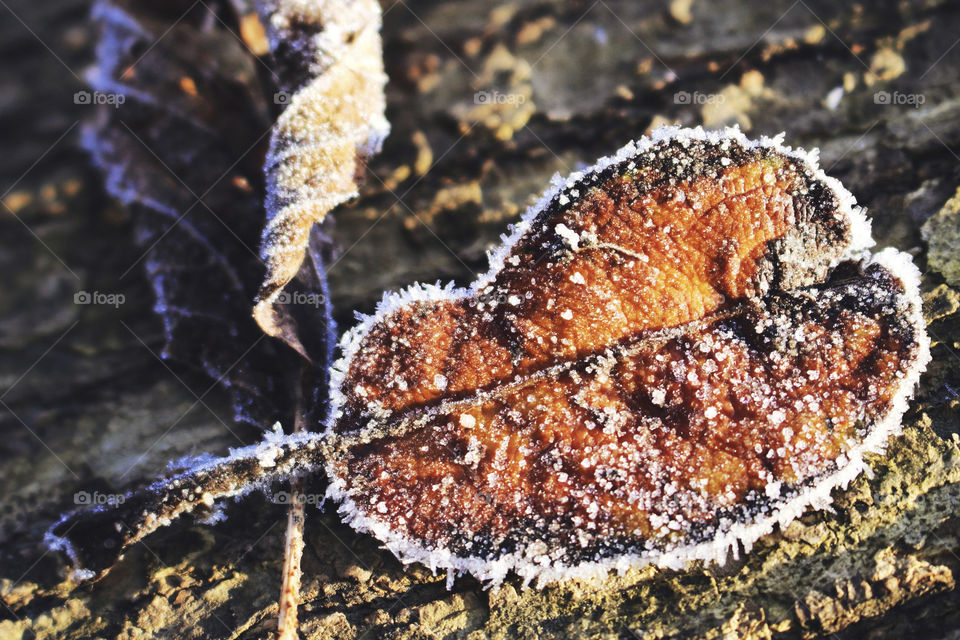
x=486, y=102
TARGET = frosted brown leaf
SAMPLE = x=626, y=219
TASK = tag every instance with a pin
x=674, y=351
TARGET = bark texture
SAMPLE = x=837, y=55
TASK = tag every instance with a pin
x=486, y=102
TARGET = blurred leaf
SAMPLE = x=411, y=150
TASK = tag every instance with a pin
x=182, y=144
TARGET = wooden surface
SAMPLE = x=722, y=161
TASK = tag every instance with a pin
x=87, y=405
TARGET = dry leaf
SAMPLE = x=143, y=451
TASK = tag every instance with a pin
x=664, y=361
x=186, y=160
x=331, y=70
x=187, y=164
